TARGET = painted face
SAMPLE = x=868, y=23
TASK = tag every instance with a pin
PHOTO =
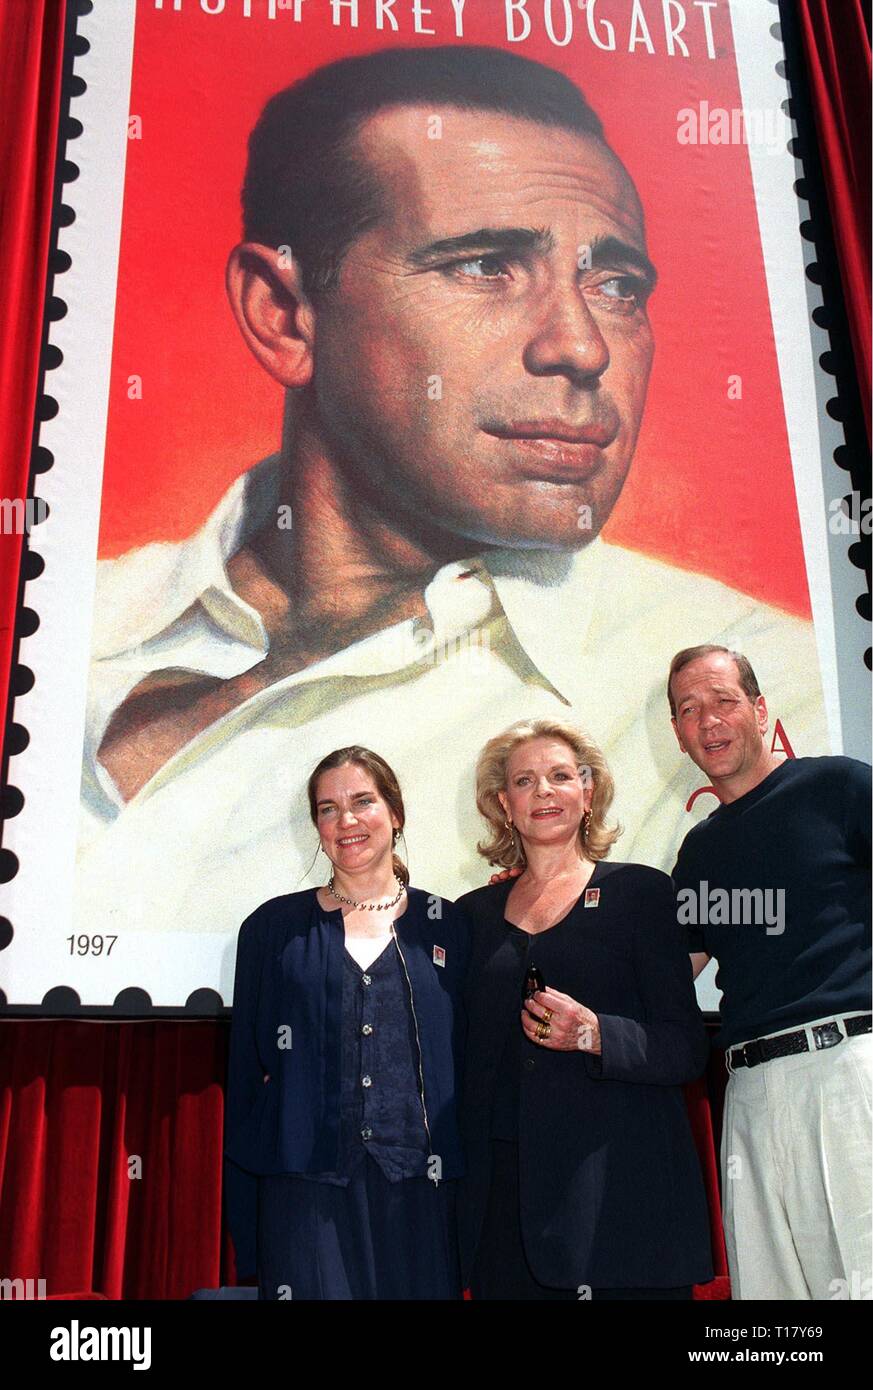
x=546, y=793
x=355, y=822
x=716, y=723
x=481, y=365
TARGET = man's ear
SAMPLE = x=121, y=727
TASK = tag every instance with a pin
x=678, y=739
x=276, y=318
x=763, y=716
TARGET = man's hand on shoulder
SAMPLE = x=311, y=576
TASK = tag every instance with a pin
x=699, y=961
x=505, y=874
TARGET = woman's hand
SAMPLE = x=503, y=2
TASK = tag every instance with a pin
x=569, y=1026
x=505, y=874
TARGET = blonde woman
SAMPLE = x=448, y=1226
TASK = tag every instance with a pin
x=583, y=1179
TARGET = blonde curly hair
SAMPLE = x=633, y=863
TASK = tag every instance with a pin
x=502, y=846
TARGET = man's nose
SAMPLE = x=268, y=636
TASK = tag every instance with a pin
x=567, y=340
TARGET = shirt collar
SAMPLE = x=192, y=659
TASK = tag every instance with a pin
x=167, y=578
x=549, y=598
x=172, y=604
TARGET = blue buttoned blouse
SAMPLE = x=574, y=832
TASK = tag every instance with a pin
x=300, y=1008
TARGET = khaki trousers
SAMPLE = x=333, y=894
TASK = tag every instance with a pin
x=796, y=1173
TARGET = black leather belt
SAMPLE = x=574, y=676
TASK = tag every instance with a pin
x=751, y=1054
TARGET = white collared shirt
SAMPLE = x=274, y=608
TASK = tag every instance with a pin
x=585, y=637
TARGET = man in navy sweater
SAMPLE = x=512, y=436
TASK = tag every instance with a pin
x=775, y=884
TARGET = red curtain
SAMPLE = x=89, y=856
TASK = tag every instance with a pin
x=110, y=1158
x=31, y=52
x=837, y=50
x=80, y=1100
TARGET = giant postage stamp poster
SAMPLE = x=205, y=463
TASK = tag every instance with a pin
x=426, y=367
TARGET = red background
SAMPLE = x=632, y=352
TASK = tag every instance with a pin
x=711, y=487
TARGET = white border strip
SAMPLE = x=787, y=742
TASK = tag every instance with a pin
x=773, y=175
x=50, y=768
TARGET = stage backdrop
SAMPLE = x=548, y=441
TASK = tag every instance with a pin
x=548, y=412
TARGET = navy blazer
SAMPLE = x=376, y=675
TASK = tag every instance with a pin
x=282, y=1110
x=611, y=1192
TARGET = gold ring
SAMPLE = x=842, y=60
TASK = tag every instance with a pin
x=541, y=1029
x=548, y=1015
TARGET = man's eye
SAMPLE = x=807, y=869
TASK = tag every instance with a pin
x=481, y=267
x=624, y=290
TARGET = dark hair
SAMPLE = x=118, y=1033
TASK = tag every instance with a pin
x=305, y=184
x=386, y=784
x=747, y=678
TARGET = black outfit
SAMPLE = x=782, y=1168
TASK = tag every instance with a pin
x=581, y=1169
x=804, y=831
x=330, y=1159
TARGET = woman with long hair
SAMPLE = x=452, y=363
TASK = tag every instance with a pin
x=342, y=1134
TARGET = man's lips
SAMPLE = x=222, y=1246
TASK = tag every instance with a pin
x=559, y=431
x=554, y=450
x=716, y=745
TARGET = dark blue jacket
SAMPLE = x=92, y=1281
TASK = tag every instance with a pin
x=286, y=1025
